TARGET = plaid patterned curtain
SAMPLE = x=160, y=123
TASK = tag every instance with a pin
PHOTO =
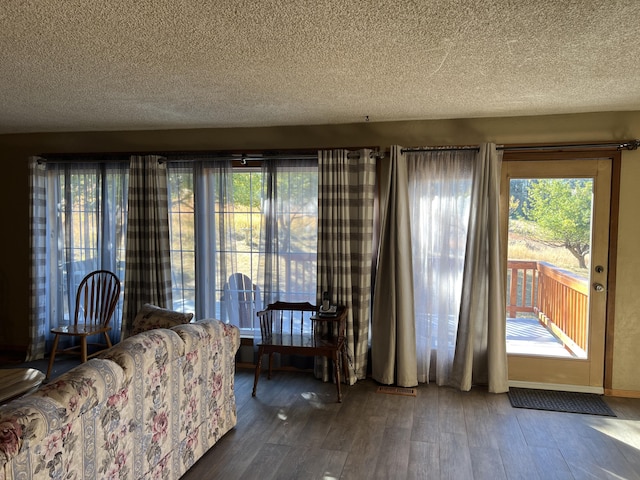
x=346, y=188
x=148, y=255
x=38, y=237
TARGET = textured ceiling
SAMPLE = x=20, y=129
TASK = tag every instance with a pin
x=70, y=65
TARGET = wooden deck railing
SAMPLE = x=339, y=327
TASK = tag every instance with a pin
x=557, y=296
x=522, y=278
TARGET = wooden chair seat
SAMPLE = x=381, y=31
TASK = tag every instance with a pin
x=293, y=328
x=79, y=330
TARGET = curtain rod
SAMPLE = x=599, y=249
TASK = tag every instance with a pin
x=175, y=156
x=627, y=145
x=243, y=158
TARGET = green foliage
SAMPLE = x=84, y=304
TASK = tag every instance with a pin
x=518, y=197
x=561, y=211
x=514, y=206
x=246, y=189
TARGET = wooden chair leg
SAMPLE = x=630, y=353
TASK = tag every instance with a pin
x=106, y=337
x=257, y=373
x=337, y=374
x=345, y=365
x=83, y=349
x=52, y=356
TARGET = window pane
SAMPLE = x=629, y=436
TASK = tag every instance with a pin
x=297, y=221
x=87, y=208
x=297, y=230
x=182, y=237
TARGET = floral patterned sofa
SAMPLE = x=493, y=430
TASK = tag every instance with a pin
x=147, y=408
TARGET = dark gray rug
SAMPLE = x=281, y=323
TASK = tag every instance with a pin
x=571, y=402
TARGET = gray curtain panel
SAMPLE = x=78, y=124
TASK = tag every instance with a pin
x=480, y=347
x=148, y=256
x=346, y=191
x=393, y=339
x=480, y=356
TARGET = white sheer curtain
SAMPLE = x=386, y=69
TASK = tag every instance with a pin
x=215, y=235
x=223, y=226
x=439, y=192
x=458, y=267
x=203, y=239
x=287, y=269
x=78, y=224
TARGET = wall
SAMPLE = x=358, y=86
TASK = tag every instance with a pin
x=14, y=150
x=626, y=354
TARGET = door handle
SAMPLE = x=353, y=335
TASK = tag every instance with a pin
x=598, y=287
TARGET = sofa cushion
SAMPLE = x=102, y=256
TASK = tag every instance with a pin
x=152, y=316
x=140, y=354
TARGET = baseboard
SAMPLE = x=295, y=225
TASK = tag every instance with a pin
x=613, y=392
x=557, y=386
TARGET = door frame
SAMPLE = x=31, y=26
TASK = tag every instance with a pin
x=615, y=157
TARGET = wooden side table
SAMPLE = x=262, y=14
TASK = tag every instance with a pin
x=298, y=328
x=15, y=382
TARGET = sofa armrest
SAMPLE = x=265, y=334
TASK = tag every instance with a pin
x=30, y=419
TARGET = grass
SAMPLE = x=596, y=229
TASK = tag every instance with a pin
x=521, y=247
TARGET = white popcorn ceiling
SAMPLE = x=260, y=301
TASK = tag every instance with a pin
x=77, y=65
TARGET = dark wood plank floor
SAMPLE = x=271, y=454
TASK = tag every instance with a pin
x=294, y=429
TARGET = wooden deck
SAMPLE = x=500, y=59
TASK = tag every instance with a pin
x=539, y=290
x=526, y=336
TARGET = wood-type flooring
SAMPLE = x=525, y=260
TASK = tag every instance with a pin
x=294, y=429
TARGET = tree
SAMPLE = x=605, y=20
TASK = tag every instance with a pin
x=246, y=189
x=518, y=191
x=561, y=210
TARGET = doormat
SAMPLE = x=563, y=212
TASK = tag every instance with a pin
x=557, y=401
x=409, y=392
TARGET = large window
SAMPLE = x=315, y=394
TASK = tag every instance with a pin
x=86, y=224
x=256, y=224
x=242, y=234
